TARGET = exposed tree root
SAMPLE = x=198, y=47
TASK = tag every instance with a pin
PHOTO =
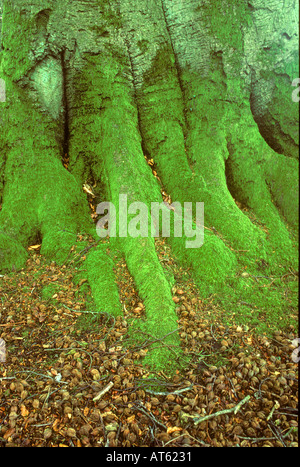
x=111, y=97
x=41, y=199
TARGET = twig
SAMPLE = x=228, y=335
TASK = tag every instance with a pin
x=104, y=391
x=276, y=432
x=118, y=432
x=177, y=391
x=235, y=409
x=275, y=406
x=13, y=323
x=43, y=424
x=103, y=428
x=212, y=332
x=150, y=415
x=233, y=390
x=254, y=440
x=163, y=337
x=260, y=384
x=213, y=382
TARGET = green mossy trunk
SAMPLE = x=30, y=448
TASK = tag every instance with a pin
x=202, y=89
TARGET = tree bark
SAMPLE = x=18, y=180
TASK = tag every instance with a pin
x=202, y=89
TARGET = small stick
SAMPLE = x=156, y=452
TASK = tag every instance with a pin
x=104, y=430
x=104, y=391
x=235, y=409
x=177, y=391
x=151, y=416
x=275, y=406
x=13, y=323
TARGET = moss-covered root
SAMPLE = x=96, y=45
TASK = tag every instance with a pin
x=117, y=159
x=12, y=254
x=101, y=278
x=203, y=152
x=154, y=289
x=248, y=172
x=282, y=178
x=208, y=152
x=41, y=199
x=211, y=264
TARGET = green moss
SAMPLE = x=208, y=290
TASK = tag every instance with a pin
x=40, y=197
x=155, y=291
x=143, y=45
x=49, y=290
x=23, y=27
x=258, y=301
x=51, y=241
x=12, y=255
x=223, y=19
x=123, y=170
x=162, y=124
x=99, y=267
x=247, y=168
x=284, y=186
x=278, y=119
x=211, y=264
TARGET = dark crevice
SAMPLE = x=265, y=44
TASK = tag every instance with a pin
x=177, y=66
x=229, y=178
x=233, y=190
x=286, y=36
x=66, y=130
x=42, y=19
x=135, y=91
x=186, y=127
x=136, y=100
x=270, y=129
x=147, y=156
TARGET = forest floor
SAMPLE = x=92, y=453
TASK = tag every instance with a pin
x=72, y=377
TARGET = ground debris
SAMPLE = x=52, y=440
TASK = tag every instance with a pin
x=75, y=379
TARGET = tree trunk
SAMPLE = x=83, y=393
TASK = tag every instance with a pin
x=200, y=89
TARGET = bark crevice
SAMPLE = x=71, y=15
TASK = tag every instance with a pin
x=65, y=103
x=178, y=71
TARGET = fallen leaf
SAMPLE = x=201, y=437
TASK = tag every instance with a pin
x=172, y=429
x=131, y=419
x=8, y=433
x=24, y=411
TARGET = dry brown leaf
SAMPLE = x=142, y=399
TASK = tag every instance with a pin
x=24, y=411
x=131, y=419
x=171, y=430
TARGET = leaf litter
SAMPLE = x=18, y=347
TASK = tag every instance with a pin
x=75, y=378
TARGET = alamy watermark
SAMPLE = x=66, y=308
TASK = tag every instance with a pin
x=2, y=90
x=295, y=93
x=2, y=351
x=135, y=220
x=296, y=351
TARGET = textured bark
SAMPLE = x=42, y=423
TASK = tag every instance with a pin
x=202, y=88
